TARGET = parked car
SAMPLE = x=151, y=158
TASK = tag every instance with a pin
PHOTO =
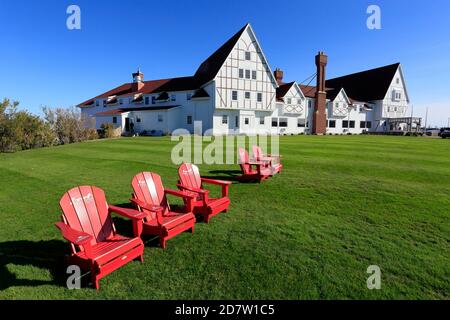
x=432, y=132
x=445, y=133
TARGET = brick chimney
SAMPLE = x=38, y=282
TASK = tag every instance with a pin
x=278, y=73
x=320, y=116
x=138, y=81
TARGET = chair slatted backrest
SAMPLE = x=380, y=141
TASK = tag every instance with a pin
x=244, y=160
x=190, y=176
x=257, y=153
x=148, y=188
x=85, y=209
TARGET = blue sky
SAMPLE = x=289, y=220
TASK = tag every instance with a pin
x=44, y=63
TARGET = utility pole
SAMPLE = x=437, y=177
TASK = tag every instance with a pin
x=426, y=119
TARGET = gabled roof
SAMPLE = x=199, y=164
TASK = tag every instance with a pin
x=207, y=71
x=283, y=89
x=367, y=85
x=211, y=66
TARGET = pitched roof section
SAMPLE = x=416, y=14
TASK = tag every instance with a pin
x=211, y=66
x=368, y=85
x=153, y=86
x=283, y=89
x=122, y=110
x=200, y=93
x=308, y=91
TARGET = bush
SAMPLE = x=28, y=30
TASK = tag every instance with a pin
x=20, y=130
x=107, y=130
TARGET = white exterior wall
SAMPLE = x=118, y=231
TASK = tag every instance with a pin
x=228, y=80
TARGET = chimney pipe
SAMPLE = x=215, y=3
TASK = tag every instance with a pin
x=138, y=81
x=278, y=73
x=320, y=115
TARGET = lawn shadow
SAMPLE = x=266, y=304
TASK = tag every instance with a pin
x=226, y=175
x=46, y=254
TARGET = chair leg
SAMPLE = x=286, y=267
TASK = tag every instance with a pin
x=162, y=243
x=141, y=258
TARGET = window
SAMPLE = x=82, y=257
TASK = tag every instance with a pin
x=299, y=101
x=104, y=103
x=247, y=74
x=147, y=100
x=352, y=124
x=274, y=122
x=241, y=73
x=97, y=103
x=247, y=95
x=362, y=124
x=398, y=81
x=120, y=101
x=301, y=123
x=345, y=124
x=368, y=124
x=283, y=122
x=331, y=123
x=309, y=104
x=246, y=121
x=248, y=55
x=114, y=119
x=254, y=75
x=173, y=97
x=153, y=100
x=189, y=119
x=336, y=105
x=261, y=120
x=160, y=118
x=188, y=96
x=234, y=95
x=289, y=101
x=224, y=119
x=259, y=97
x=236, y=121
x=138, y=119
x=307, y=124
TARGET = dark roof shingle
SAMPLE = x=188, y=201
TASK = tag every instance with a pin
x=367, y=85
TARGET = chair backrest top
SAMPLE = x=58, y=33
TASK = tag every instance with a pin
x=190, y=175
x=85, y=209
x=257, y=152
x=148, y=188
x=244, y=160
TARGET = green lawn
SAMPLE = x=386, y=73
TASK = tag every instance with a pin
x=342, y=203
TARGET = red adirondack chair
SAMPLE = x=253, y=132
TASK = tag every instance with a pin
x=150, y=197
x=273, y=162
x=87, y=225
x=252, y=170
x=191, y=182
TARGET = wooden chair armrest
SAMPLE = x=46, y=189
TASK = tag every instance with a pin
x=196, y=190
x=76, y=237
x=213, y=181
x=127, y=213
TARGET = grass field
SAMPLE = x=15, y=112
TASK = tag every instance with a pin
x=341, y=204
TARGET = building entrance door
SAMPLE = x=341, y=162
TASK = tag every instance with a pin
x=127, y=124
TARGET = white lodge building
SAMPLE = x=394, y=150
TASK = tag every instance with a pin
x=235, y=91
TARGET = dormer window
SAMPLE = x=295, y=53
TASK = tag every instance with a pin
x=398, y=80
x=289, y=101
x=248, y=55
